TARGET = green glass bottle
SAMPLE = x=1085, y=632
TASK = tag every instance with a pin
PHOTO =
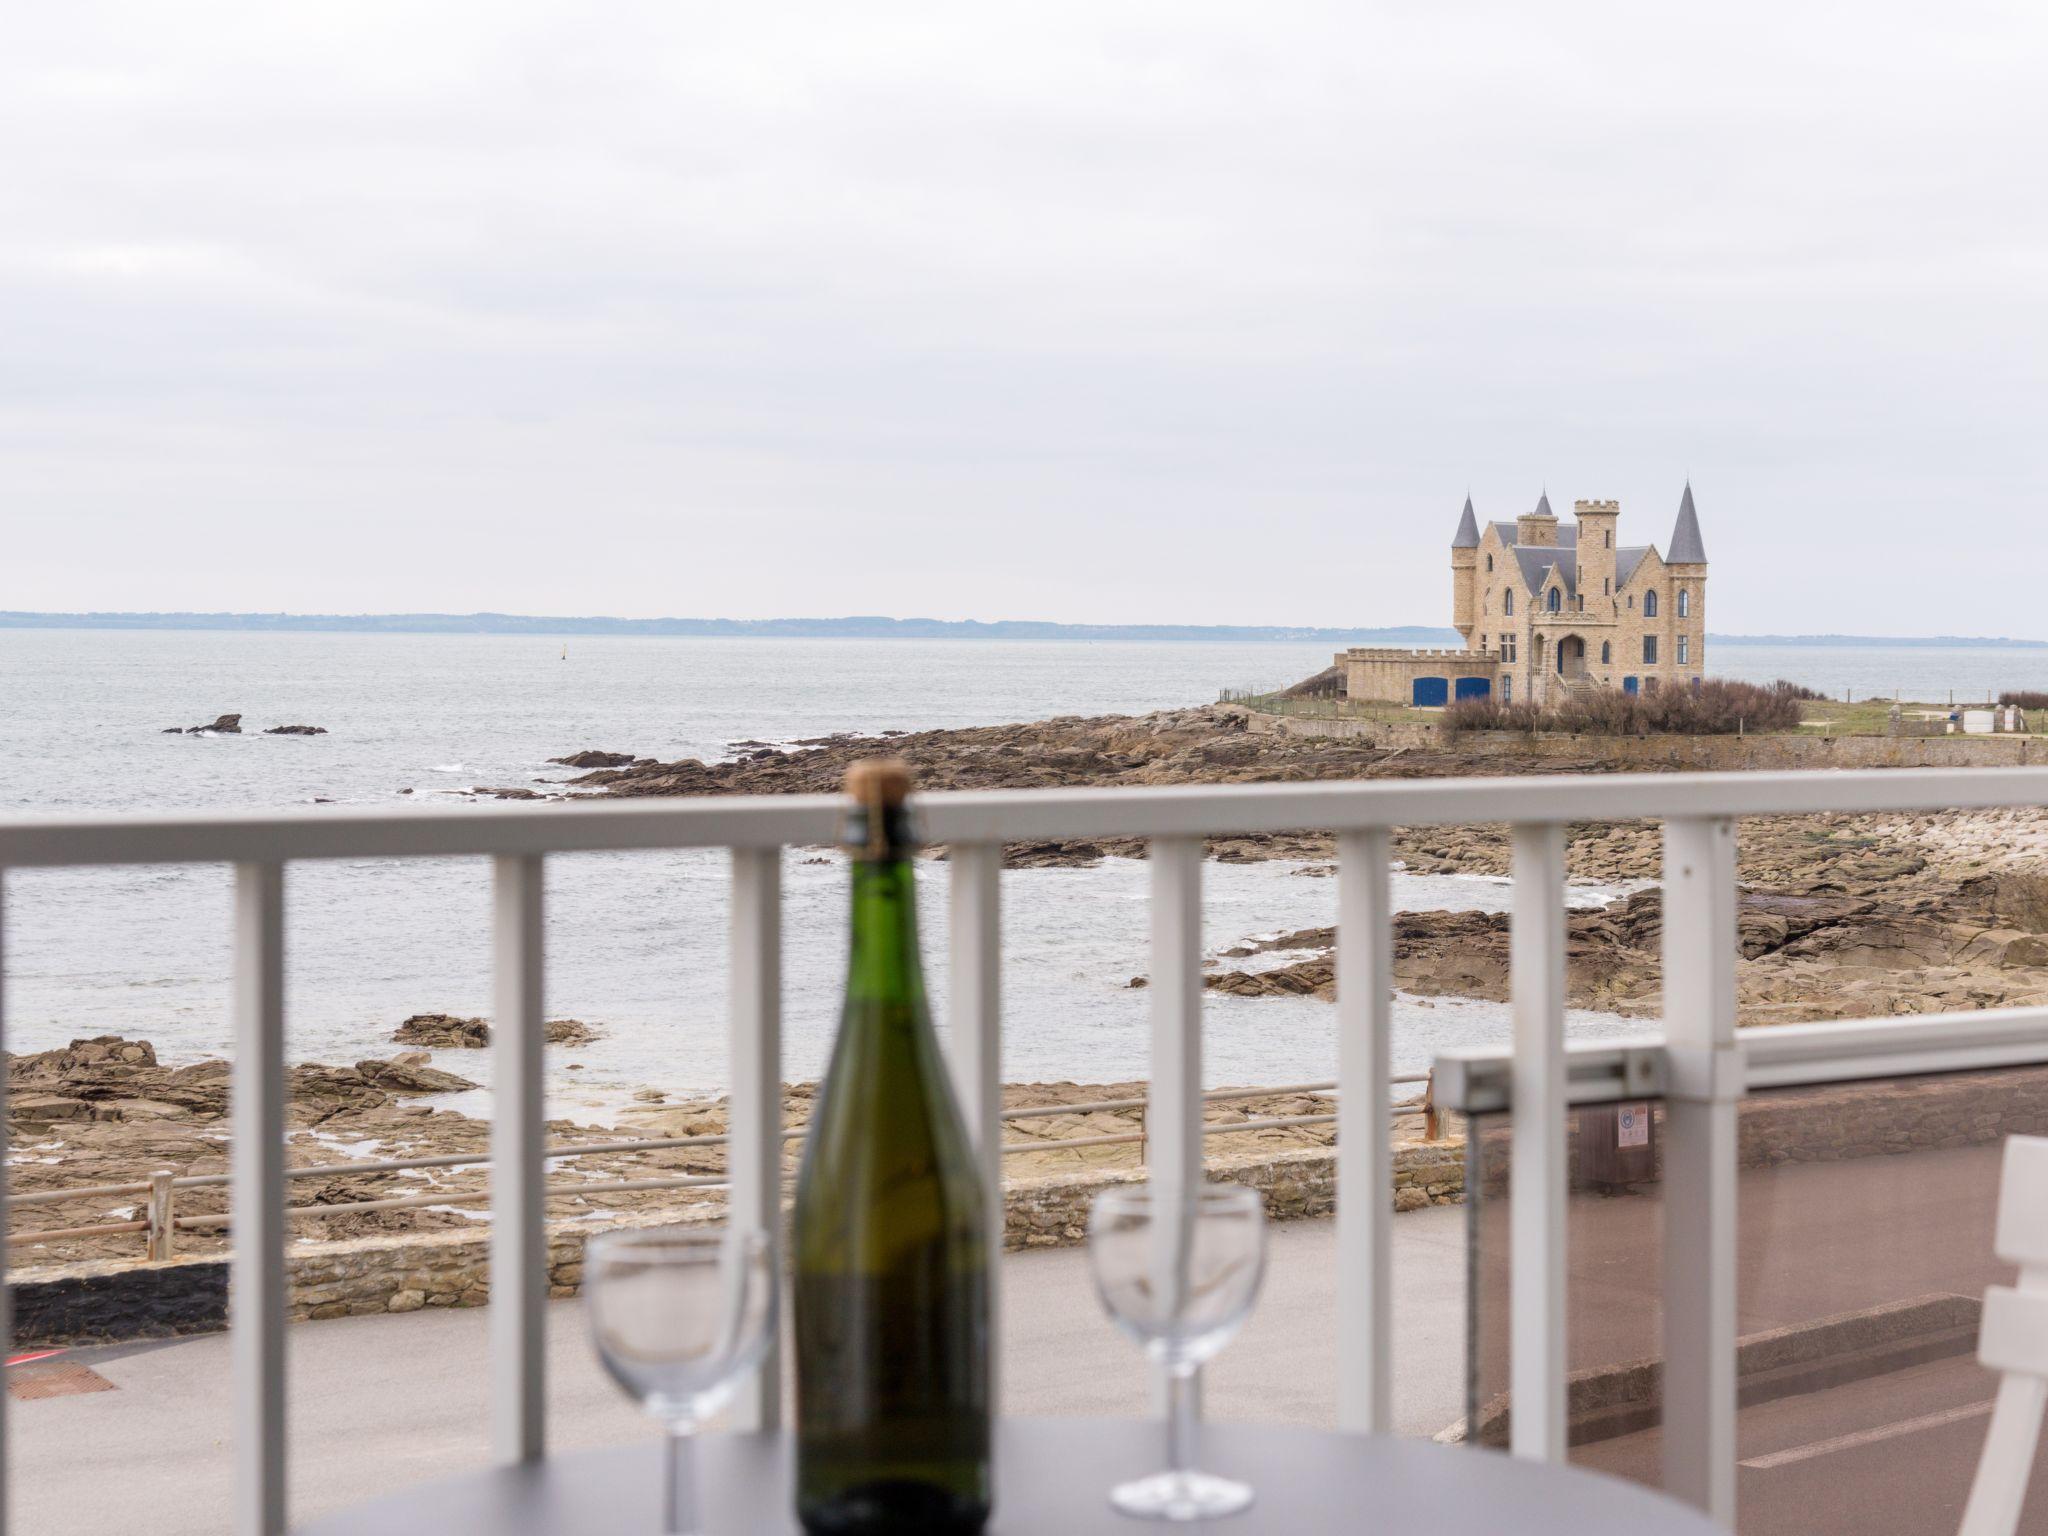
x=891, y=1314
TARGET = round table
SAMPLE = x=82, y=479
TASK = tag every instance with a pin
x=1052, y=1478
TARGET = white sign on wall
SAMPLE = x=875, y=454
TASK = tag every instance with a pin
x=1632, y=1129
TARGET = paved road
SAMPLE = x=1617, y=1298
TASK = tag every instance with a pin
x=381, y=1402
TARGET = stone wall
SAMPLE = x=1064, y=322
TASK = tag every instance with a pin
x=1704, y=753
x=1388, y=675
x=121, y=1299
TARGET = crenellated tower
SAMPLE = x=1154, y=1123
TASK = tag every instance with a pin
x=1596, y=559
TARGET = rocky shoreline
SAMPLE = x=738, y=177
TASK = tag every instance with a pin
x=1840, y=917
x=104, y=1111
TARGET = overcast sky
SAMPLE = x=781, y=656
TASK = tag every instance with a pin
x=1179, y=312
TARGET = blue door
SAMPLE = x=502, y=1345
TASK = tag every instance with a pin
x=1473, y=687
x=1431, y=692
x=1628, y=685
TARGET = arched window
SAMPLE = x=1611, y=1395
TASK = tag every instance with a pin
x=1649, y=605
x=1684, y=603
x=1606, y=653
x=1556, y=603
x=1489, y=565
x=1507, y=603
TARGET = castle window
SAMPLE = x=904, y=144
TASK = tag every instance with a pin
x=1507, y=690
x=1607, y=586
x=1489, y=565
x=1507, y=603
x=1649, y=605
x=1606, y=653
x=1610, y=538
x=1649, y=685
x=1581, y=600
x=1556, y=602
x=1684, y=606
x=1649, y=650
x=1631, y=602
x=1684, y=647
x=1507, y=649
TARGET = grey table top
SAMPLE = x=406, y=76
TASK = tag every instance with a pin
x=1052, y=1478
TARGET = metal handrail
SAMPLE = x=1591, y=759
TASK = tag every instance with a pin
x=161, y=1220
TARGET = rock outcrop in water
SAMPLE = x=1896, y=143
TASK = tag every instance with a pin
x=447, y=1031
x=296, y=730
x=593, y=758
x=223, y=725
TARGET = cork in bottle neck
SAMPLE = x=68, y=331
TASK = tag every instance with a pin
x=878, y=821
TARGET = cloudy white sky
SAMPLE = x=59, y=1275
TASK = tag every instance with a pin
x=1182, y=312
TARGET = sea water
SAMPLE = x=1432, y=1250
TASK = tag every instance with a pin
x=636, y=942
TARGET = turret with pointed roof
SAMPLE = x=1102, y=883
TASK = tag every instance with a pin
x=1465, y=572
x=1687, y=548
x=1467, y=536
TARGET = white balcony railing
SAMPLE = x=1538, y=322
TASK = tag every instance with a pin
x=1699, y=1064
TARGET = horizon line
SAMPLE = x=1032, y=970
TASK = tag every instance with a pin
x=848, y=626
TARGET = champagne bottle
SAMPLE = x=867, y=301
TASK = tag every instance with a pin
x=891, y=1314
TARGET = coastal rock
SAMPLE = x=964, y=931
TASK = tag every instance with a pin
x=443, y=1031
x=446, y=1031
x=594, y=758
x=409, y=1073
x=296, y=730
x=510, y=792
x=223, y=725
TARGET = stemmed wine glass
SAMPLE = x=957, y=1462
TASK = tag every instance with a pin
x=679, y=1316
x=1179, y=1275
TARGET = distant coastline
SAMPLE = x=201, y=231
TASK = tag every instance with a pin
x=863, y=627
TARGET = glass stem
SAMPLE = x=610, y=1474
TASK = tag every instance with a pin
x=1181, y=1394
x=679, y=1500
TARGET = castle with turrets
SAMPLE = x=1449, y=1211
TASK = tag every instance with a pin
x=1549, y=608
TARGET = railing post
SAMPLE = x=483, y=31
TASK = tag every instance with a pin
x=519, y=1246
x=1365, y=1164
x=974, y=989
x=256, y=1281
x=162, y=1215
x=1173, y=1147
x=754, y=1118
x=1537, y=1168
x=1705, y=1085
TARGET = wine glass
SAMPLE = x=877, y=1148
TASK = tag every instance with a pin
x=679, y=1316
x=1179, y=1275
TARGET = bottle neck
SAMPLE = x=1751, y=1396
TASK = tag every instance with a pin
x=885, y=959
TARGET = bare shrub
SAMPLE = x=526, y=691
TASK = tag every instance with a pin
x=1714, y=708
x=2024, y=698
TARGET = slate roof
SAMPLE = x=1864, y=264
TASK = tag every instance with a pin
x=1536, y=561
x=1625, y=563
x=1467, y=536
x=1686, y=546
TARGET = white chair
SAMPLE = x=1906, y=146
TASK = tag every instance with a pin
x=2013, y=1340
